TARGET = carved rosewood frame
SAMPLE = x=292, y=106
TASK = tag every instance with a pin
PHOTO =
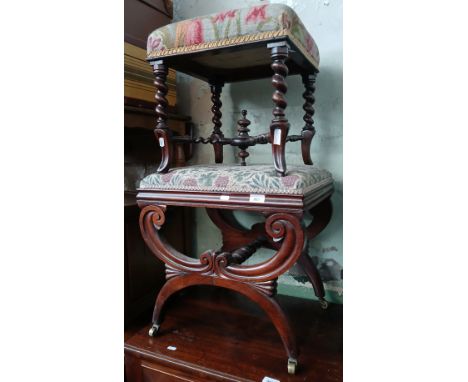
x=283, y=231
x=277, y=135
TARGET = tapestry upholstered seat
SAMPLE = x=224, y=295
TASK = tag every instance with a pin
x=232, y=27
x=258, y=179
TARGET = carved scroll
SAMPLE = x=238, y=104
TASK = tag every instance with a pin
x=151, y=219
x=283, y=228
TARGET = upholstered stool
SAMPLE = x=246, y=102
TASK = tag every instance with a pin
x=236, y=45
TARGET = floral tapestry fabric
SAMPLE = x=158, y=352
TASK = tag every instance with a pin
x=235, y=178
x=232, y=23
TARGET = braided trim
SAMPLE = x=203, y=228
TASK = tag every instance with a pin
x=232, y=41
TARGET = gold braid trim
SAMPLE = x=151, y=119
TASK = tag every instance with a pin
x=239, y=40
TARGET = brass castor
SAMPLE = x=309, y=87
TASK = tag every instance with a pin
x=323, y=303
x=292, y=364
x=154, y=330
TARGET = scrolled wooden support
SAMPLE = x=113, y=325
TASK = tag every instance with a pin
x=217, y=135
x=284, y=228
x=152, y=218
x=279, y=126
x=308, y=131
x=162, y=132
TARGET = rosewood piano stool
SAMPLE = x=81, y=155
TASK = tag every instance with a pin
x=262, y=41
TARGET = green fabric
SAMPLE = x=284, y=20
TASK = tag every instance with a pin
x=235, y=178
x=232, y=23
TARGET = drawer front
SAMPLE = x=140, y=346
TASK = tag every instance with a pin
x=139, y=370
x=158, y=373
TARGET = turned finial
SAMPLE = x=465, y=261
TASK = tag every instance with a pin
x=243, y=133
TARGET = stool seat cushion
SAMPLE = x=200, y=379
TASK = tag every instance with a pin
x=232, y=27
x=261, y=179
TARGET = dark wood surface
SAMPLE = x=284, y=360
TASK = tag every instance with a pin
x=243, y=62
x=221, y=336
x=237, y=201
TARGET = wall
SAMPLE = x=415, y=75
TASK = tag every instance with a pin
x=323, y=19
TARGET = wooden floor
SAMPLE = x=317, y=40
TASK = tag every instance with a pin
x=219, y=335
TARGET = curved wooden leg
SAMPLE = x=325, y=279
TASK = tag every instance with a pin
x=312, y=274
x=321, y=217
x=169, y=288
x=267, y=303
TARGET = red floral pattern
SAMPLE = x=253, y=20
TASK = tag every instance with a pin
x=256, y=14
x=220, y=17
x=221, y=181
x=289, y=181
x=155, y=43
x=194, y=32
x=190, y=182
x=166, y=178
x=233, y=23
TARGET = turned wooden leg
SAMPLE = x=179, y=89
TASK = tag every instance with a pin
x=279, y=126
x=217, y=134
x=162, y=132
x=308, y=131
